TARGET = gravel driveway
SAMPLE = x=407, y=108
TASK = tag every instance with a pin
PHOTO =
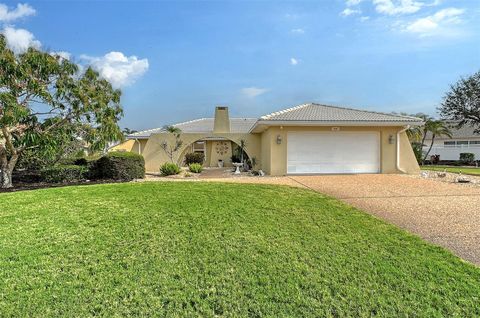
x=442, y=213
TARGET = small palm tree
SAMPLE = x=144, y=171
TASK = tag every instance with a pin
x=437, y=128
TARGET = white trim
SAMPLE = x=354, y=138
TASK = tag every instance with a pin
x=397, y=161
x=335, y=123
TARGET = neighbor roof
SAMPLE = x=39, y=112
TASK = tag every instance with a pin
x=324, y=113
x=462, y=132
x=202, y=125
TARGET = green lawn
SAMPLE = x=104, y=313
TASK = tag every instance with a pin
x=465, y=170
x=204, y=249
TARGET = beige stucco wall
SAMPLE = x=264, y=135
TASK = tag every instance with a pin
x=155, y=156
x=408, y=162
x=274, y=156
x=214, y=155
x=131, y=145
x=271, y=157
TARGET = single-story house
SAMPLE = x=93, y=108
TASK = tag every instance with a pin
x=463, y=139
x=305, y=139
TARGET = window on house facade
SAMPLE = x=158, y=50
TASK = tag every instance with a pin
x=462, y=143
x=201, y=147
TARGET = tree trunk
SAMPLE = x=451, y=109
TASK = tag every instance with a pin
x=429, y=149
x=6, y=178
x=6, y=172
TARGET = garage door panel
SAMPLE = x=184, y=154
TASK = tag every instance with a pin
x=333, y=152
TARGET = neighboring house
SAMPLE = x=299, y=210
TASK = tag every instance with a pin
x=306, y=139
x=463, y=140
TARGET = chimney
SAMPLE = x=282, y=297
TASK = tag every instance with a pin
x=221, y=123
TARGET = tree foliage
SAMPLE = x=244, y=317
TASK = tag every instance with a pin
x=46, y=101
x=462, y=102
x=418, y=134
x=437, y=128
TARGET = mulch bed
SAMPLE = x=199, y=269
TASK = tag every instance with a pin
x=24, y=186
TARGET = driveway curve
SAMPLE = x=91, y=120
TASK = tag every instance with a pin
x=445, y=214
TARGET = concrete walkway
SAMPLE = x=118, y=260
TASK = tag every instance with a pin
x=443, y=213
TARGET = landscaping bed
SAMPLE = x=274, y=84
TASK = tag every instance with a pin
x=469, y=170
x=217, y=249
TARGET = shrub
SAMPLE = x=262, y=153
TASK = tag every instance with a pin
x=80, y=162
x=235, y=158
x=467, y=157
x=118, y=166
x=195, y=167
x=168, y=169
x=194, y=157
x=64, y=173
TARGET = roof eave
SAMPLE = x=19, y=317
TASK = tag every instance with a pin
x=333, y=123
x=137, y=137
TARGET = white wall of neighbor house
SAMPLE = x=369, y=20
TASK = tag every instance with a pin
x=450, y=149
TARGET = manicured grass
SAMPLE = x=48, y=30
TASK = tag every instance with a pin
x=205, y=249
x=465, y=170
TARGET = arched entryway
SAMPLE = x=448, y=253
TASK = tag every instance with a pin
x=217, y=151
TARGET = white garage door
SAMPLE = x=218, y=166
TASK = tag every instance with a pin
x=333, y=152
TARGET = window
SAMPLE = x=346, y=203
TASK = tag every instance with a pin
x=200, y=146
x=449, y=143
x=462, y=143
x=475, y=143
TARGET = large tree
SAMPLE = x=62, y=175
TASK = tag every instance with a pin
x=44, y=99
x=462, y=102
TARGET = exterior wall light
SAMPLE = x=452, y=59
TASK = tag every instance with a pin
x=279, y=139
x=391, y=139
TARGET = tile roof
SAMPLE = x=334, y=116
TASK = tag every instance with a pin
x=316, y=113
x=463, y=132
x=324, y=113
x=202, y=125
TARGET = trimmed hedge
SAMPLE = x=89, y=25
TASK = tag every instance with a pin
x=64, y=174
x=467, y=157
x=194, y=157
x=119, y=166
x=168, y=169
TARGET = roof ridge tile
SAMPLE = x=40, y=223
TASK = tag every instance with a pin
x=284, y=111
x=365, y=111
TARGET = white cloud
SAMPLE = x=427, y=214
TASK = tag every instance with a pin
x=351, y=3
x=293, y=61
x=365, y=18
x=430, y=25
x=117, y=68
x=22, y=10
x=394, y=7
x=348, y=11
x=297, y=31
x=62, y=54
x=252, y=92
x=19, y=40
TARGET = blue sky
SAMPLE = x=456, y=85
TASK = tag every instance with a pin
x=175, y=61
